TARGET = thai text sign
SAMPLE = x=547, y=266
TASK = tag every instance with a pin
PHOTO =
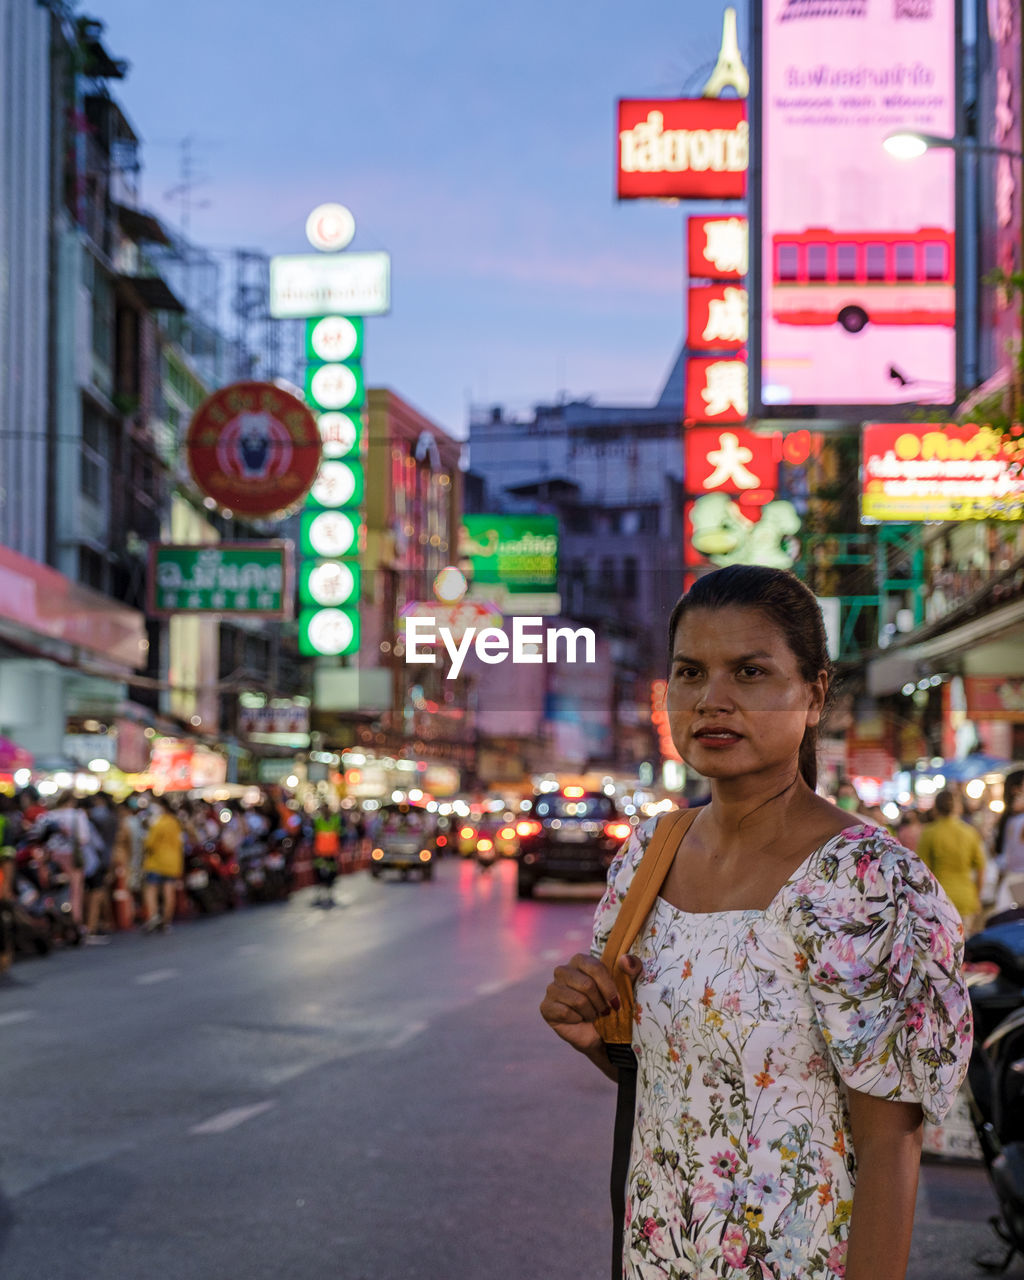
x=938, y=471
x=519, y=552
x=313, y=284
x=220, y=577
x=857, y=284
x=694, y=148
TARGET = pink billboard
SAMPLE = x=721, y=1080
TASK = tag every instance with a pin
x=858, y=299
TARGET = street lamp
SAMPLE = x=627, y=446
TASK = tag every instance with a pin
x=906, y=145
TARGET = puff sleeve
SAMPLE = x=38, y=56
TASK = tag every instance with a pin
x=883, y=947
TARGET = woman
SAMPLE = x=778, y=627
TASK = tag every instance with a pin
x=799, y=1003
x=162, y=866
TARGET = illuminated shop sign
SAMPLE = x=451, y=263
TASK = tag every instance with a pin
x=220, y=577
x=330, y=533
x=694, y=148
x=308, y=284
x=716, y=390
x=329, y=583
x=253, y=448
x=717, y=317
x=328, y=632
x=339, y=483
x=340, y=432
x=729, y=461
x=856, y=294
x=718, y=248
x=335, y=386
x=938, y=471
x=334, y=338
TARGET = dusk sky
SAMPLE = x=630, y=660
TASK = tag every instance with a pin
x=473, y=142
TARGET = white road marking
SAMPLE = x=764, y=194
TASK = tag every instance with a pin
x=156, y=975
x=405, y=1035
x=230, y=1119
x=16, y=1015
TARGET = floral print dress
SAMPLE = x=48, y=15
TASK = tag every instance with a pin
x=748, y=1025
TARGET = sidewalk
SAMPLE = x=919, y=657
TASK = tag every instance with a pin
x=951, y=1230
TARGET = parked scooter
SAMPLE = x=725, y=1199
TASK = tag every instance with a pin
x=995, y=1076
x=40, y=914
x=211, y=878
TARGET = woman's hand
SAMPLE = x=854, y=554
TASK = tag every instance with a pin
x=581, y=991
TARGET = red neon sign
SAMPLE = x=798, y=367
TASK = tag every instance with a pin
x=716, y=390
x=717, y=317
x=692, y=148
x=718, y=248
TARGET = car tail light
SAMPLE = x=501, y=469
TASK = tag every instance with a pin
x=529, y=827
x=377, y=855
x=485, y=845
x=467, y=833
x=441, y=841
x=507, y=833
x=424, y=855
x=618, y=830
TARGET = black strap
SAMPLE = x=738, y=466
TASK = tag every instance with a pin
x=622, y=1057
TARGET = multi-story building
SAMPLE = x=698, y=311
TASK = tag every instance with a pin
x=613, y=477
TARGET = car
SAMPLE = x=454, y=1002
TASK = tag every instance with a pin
x=403, y=842
x=571, y=835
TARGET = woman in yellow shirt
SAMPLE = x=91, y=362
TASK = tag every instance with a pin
x=953, y=852
x=162, y=866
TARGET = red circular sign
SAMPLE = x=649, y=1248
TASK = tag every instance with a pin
x=253, y=448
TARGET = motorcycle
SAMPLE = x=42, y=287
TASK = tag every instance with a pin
x=211, y=878
x=39, y=915
x=994, y=964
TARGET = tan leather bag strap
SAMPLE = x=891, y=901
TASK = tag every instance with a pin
x=617, y=1026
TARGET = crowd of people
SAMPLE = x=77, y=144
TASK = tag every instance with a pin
x=982, y=871
x=137, y=846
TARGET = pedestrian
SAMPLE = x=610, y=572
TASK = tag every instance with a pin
x=798, y=990
x=908, y=829
x=326, y=854
x=953, y=851
x=70, y=846
x=163, y=865
x=99, y=909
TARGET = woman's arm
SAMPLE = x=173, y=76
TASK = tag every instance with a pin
x=887, y=1144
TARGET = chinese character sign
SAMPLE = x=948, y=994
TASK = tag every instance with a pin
x=716, y=390
x=734, y=461
x=717, y=317
x=718, y=248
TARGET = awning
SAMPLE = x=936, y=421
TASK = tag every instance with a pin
x=139, y=225
x=993, y=640
x=155, y=293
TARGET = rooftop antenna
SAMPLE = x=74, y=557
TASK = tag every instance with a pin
x=729, y=72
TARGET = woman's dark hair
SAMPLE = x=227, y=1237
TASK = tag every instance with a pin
x=784, y=601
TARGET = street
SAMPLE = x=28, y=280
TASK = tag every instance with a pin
x=366, y=1092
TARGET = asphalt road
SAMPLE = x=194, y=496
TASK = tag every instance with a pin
x=365, y=1093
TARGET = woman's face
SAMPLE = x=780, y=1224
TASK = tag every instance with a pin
x=737, y=703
